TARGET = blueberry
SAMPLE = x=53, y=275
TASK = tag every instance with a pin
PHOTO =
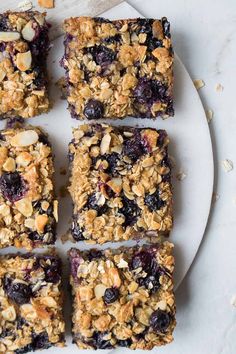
x=161, y=137
x=3, y=23
x=112, y=162
x=12, y=123
x=102, y=55
x=153, y=201
x=20, y=293
x=110, y=295
x=76, y=230
x=92, y=204
x=134, y=147
x=12, y=186
x=21, y=322
x=154, y=43
x=160, y=321
x=93, y=254
x=100, y=342
x=93, y=109
x=145, y=26
x=40, y=341
x=5, y=333
x=53, y=271
x=142, y=260
x=43, y=138
x=166, y=27
x=143, y=92
x=150, y=282
x=124, y=343
x=130, y=210
x=113, y=39
x=101, y=20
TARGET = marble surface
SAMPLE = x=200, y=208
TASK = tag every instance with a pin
x=204, y=34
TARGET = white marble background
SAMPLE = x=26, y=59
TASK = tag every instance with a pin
x=204, y=35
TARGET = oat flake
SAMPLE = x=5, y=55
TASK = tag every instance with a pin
x=198, y=83
x=227, y=165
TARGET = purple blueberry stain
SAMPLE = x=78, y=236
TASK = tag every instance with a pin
x=130, y=211
x=93, y=204
x=134, y=147
x=19, y=293
x=12, y=186
x=102, y=55
x=99, y=342
x=40, y=341
x=153, y=201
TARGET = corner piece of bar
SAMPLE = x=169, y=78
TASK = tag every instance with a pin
x=123, y=297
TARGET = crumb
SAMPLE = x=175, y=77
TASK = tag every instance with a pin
x=63, y=192
x=181, y=175
x=67, y=237
x=25, y=5
x=227, y=165
x=209, y=115
x=172, y=161
x=198, y=83
x=215, y=197
x=61, y=83
x=48, y=4
x=219, y=88
x=233, y=300
x=63, y=171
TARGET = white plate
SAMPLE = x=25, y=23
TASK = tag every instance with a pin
x=190, y=146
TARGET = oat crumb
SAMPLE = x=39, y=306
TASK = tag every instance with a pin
x=209, y=115
x=63, y=171
x=181, y=175
x=25, y=5
x=219, y=88
x=233, y=300
x=63, y=191
x=227, y=165
x=47, y=4
x=215, y=197
x=198, y=83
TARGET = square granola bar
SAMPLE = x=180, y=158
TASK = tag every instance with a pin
x=24, y=45
x=118, y=68
x=28, y=210
x=120, y=183
x=31, y=303
x=123, y=297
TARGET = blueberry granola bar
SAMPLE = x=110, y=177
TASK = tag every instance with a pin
x=118, y=68
x=123, y=297
x=120, y=183
x=28, y=210
x=30, y=303
x=24, y=47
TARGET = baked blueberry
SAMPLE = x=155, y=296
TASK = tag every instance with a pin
x=153, y=201
x=93, y=109
x=92, y=203
x=12, y=186
x=130, y=210
x=110, y=295
x=76, y=230
x=40, y=341
x=20, y=293
x=160, y=321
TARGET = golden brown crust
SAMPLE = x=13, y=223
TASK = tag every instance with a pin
x=126, y=321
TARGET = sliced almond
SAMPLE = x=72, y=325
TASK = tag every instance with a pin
x=24, y=206
x=9, y=314
x=28, y=31
x=4, y=210
x=23, y=159
x=25, y=138
x=99, y=290
x=122, y=264
x=55, y=210
x=40, y=19
x=24, y=61
x=48, y=301
x=105, y=144
x=9, y=36
x=9, y=165
x=115, y=184
x=2, y=75
x=100, y=199
x=41, y=222
x=28, y=311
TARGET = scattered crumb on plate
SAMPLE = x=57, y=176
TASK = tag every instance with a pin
x=172, y=161
x=209, y=115
x=215, y=197
x=25, y=5
x=233, y=300
x=227, y=165
x=219, y=88
x=198, y=83
x=62, y=171
x=61, y=83
x=181, y=175
x=47, y=4
x=63, y=192
x=67, y=237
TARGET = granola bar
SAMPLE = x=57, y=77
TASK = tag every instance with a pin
x=123, y=297
x=118, y=68
x=120, y=183
x=28, y=210
x=31, y=303
x=24, y=45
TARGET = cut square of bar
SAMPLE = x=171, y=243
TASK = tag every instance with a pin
x=28, y=209
x=118, y=68
x=120, y=183
x=24, y=46
x=123, y=297
x=31, y=303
